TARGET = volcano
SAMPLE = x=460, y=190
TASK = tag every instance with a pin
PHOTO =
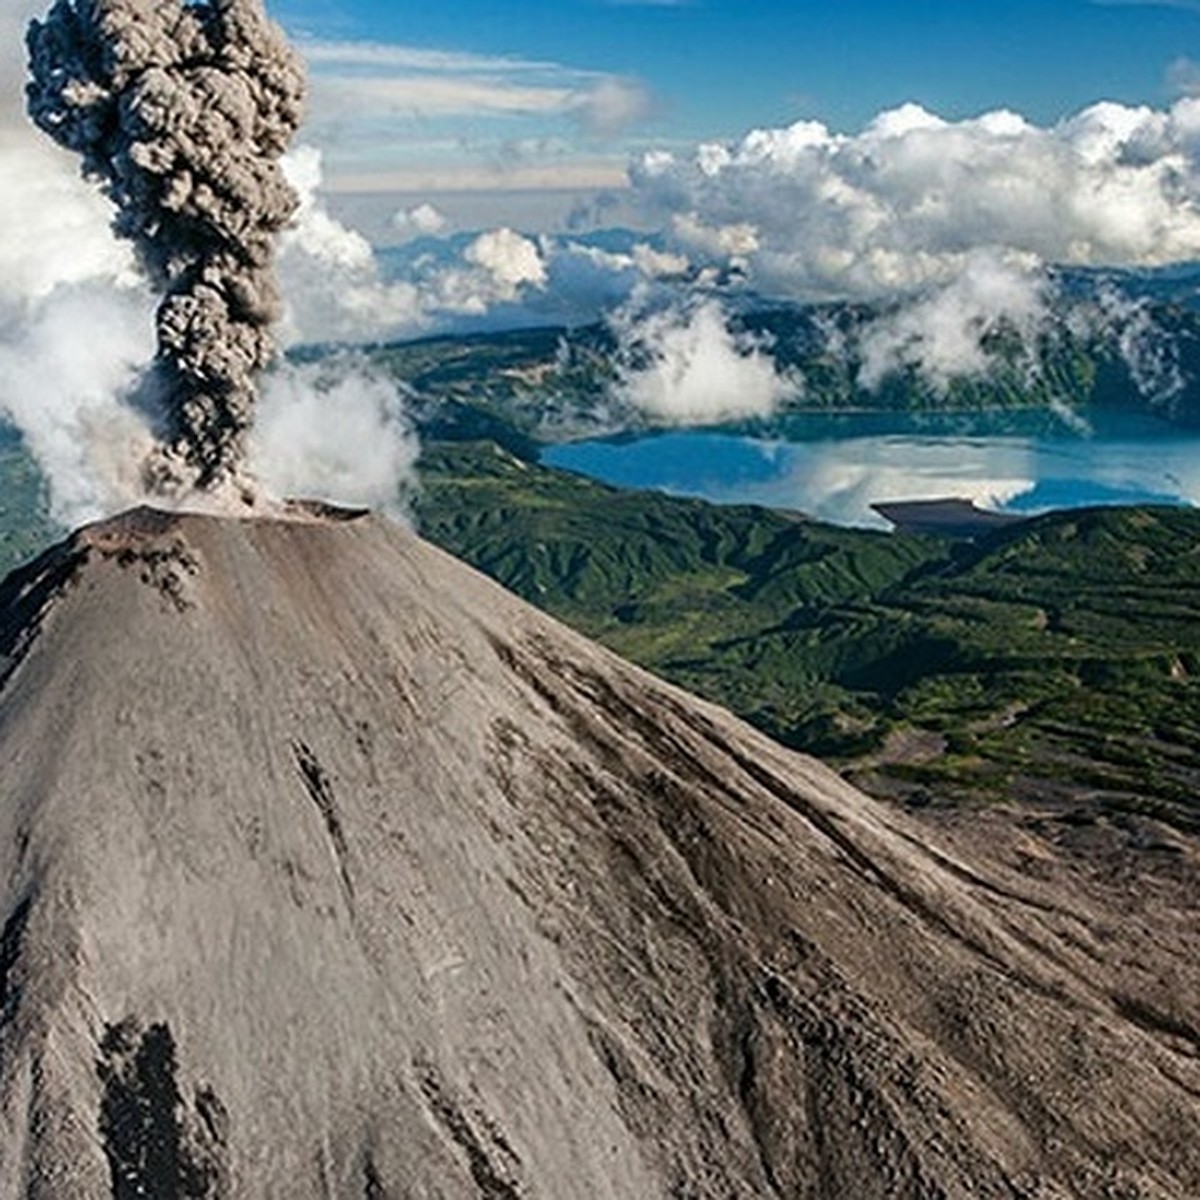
x=330, y=869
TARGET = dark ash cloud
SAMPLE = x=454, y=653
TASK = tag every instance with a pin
x=182, y=111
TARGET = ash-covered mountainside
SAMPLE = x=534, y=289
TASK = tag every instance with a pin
x=328, y=868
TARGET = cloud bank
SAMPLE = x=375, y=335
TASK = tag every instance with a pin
x=336, y=292
x=951, y=226
x=904, y=204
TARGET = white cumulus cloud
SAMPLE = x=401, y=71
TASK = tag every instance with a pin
x=910, y=201
x=684, y=365
x=511, y=260
x=423, y=220
x=332, y=286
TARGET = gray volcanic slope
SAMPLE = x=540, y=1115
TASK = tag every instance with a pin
x=327, y=868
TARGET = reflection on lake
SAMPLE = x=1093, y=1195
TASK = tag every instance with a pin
x=836, y=467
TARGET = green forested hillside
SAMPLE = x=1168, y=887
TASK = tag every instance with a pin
x=544, y=384
x=1057, y=658
x=24, y=527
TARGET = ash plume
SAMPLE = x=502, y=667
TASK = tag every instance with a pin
x=182, y=109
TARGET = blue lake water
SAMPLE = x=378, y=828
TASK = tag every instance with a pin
x=835, y=467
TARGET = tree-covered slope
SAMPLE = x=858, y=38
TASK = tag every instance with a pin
x=1057, y=658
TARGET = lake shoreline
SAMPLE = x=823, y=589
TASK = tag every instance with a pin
x=838, y=467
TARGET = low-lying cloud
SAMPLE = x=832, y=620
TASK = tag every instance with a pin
x=422, y=220
x=684, y=365
x=942, y=334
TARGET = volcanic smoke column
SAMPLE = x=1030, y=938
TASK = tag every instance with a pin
x=182, y=108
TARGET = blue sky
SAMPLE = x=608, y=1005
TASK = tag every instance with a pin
x=545, y=94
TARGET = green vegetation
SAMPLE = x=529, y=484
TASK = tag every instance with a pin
x=1056, y=659
x=541, y=385
x=24, y=527
x=517, y=387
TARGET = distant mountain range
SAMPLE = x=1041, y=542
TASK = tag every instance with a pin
x=1114, y=339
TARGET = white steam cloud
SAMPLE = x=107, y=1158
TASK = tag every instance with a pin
x=53, y=227
x=75, y=329
x=683, y=365
x=334, y=431
x=64, y=364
